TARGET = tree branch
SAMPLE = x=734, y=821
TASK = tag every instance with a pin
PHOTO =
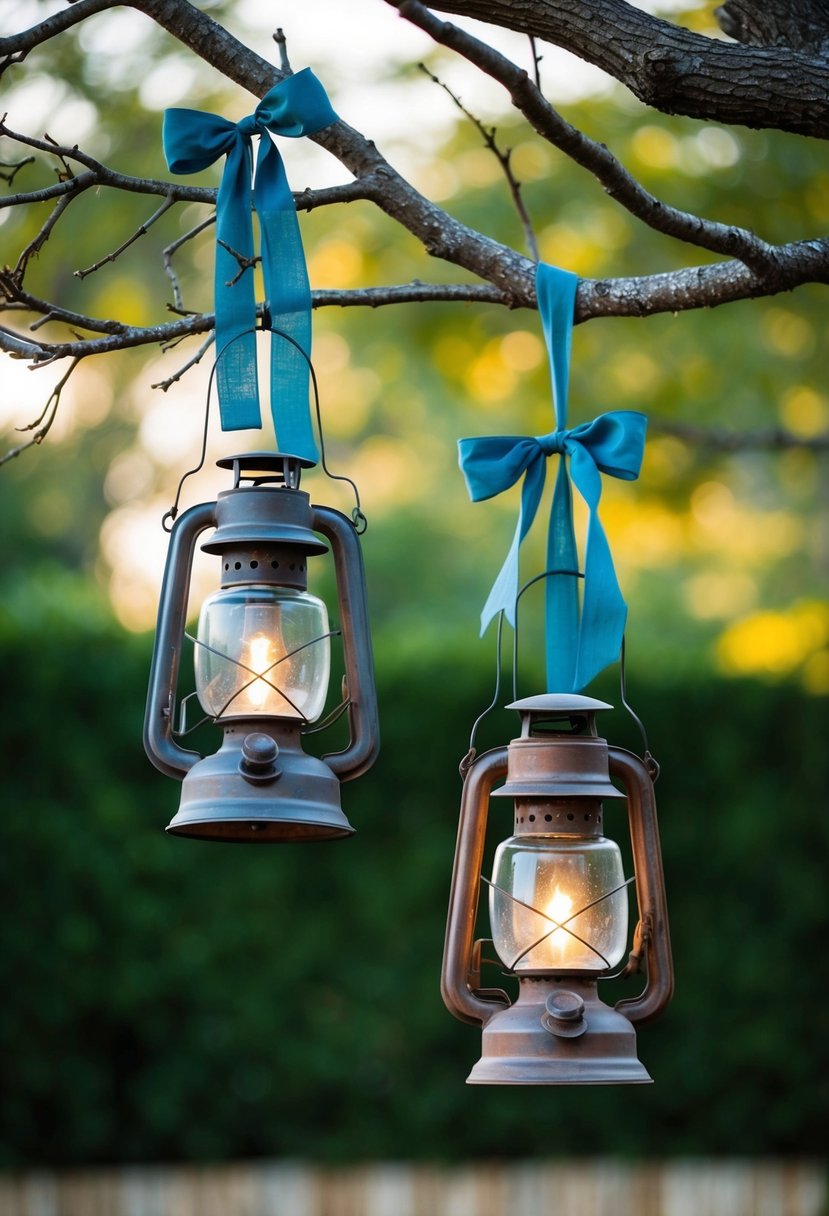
x=508, y=277
x=773, y=439
x=619, y=184
x=673, y=69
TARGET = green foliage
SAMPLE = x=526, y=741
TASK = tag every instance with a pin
x=172, y=1000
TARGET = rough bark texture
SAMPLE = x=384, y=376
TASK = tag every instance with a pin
x=800, y=25
x=673, y=69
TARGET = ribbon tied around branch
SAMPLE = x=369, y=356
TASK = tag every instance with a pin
x=580, y=642
x=193, y=140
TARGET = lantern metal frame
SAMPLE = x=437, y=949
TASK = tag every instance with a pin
x=261, y=786
x=557, y=1031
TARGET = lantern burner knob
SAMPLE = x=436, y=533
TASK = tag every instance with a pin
x=259, y=752
x=564, y=1016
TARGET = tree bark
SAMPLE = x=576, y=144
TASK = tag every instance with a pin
x=673, y=69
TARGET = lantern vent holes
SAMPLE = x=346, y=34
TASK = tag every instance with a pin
x=561, y=816
x=254, y=565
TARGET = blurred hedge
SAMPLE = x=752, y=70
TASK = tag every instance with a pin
x=170, y=1000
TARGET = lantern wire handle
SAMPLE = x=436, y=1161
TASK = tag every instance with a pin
x=357, y=516
x=466, y=762
x=526, y=587
x=651, y=763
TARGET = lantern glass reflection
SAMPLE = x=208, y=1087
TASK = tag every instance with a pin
x=559, y=904
x=263, y=651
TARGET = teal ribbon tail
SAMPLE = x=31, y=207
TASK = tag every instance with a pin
x=491, y=464
x=296, y=107
x=613, y=444
x=562, y=589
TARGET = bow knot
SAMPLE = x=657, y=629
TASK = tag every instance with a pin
x=251, y=125
x=579, y=643
x=296, y=106
x=554, y=443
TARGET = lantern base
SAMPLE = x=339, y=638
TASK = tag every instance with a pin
x=297, y=799
x=518, y=1049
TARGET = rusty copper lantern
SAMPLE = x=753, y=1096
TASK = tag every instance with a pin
x=558, y=904
x=262, y=657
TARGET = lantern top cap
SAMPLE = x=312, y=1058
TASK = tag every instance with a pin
x=266, y=467
x=558, y=703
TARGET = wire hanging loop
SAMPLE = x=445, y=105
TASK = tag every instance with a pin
x=467, y=761
x=358, y=517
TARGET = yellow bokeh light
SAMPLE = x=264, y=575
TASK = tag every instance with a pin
x=642, y=534
x=711, y=503
x=126, y=299
x=656, y=147
x=789, y=334
x=388, y=472
x=478, y=168
x=438, y=180
x=804, y=411
x=489, y=379
x=452, y=355
x=720, y=594
x=134, y=545
x=531, y=161
x=331, y=352
x=336, y=263
x=522, y=350
x=347, y=398
x=563, y=245
x=665, y=459
x=721, y=524
x=634, y=373
x=776, y=644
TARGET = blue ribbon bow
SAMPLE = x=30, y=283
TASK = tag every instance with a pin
x=579, y=644
x=193, y=140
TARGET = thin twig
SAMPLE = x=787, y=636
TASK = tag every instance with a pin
x=40, y=427
x=171, y=380
x=142, y=230
x=503, y=158
x=40, y=240
x=282, y=42
x=171, y=250
x=244, y=262
x=14, y=166
x=536, y=61
x=617, y=181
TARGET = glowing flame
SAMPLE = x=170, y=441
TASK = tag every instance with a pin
x=559, y=909
x=260, y=659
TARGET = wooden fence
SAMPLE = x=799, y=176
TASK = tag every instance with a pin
x=591, y=1188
